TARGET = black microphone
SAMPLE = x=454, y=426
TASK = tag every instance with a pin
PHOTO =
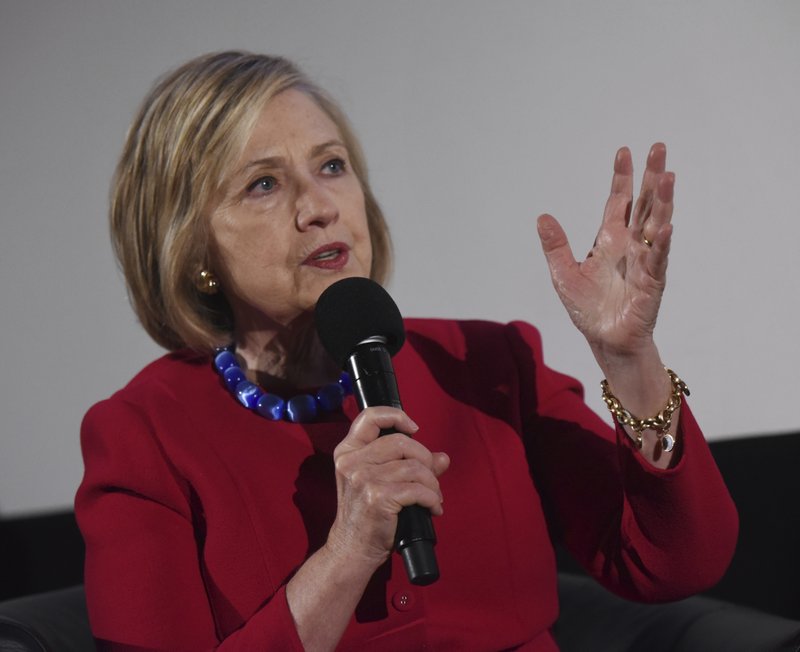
x=361, y=328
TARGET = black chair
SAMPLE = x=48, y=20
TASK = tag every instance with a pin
x=591, y=619
x=55, y=621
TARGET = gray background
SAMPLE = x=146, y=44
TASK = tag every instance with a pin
x=476, y=117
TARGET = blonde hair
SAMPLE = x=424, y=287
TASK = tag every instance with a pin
x=191, y=126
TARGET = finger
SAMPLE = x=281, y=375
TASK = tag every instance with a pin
x=402, y=471
x=396, y=447
x=661, y=212
x=441, y=462
x=556, y=247
x=382, y=484
x=656, y=163
x=397, y=495
x=657, y=260
x=424, y=497
x=618, y=206
x=368, y=424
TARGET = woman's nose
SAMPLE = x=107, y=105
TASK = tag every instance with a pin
x=315, y=206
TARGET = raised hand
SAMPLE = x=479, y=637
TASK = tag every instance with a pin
x=613, y=296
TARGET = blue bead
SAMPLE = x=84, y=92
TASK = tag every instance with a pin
x=330, y=397
x=248, y=394
x=233, y=376
x=271, y=407
x=224, y=360
x=301, y=408
x=346, y=383
x=298, y=409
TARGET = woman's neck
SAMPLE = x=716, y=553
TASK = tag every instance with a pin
x=285, y=358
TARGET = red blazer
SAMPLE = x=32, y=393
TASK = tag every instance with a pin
x=196, y=512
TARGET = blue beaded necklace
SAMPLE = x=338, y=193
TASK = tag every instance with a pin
x=302, y=408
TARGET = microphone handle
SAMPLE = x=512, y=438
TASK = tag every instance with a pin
x=374, y=383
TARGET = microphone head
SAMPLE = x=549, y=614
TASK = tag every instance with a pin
x=353, y=310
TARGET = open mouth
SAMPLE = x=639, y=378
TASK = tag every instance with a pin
x=331, y=256
x=328, y=255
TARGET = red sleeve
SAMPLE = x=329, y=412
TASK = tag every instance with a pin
x=144, y=587
x=644, y=533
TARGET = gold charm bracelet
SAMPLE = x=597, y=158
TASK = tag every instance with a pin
x=659, y=423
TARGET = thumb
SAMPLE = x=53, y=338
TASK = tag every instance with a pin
x=441, y=462
x=554, y=243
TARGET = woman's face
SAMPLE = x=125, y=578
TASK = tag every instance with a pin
x=293, y=218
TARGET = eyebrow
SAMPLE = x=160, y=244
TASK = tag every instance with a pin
x=276, y=161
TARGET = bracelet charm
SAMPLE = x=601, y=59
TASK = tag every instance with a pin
x=659, y=423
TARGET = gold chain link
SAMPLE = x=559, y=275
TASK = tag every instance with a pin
x=660, y=423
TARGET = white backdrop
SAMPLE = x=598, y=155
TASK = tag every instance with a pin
x=476, y=116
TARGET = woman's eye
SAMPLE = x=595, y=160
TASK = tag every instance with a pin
x=334, y=166
x=262, y=185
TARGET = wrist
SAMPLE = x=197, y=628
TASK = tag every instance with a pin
x=615, y=359
x=349, y=552
x=323, y=594
x=637, y=378
x=661, y=424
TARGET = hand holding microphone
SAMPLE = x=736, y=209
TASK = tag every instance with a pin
x=380, y=473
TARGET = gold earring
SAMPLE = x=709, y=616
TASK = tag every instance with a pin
x=207, y=283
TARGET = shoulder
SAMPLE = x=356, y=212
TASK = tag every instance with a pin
x=461, y=336
x=473, y=348
x=172, y=374
x=128, y=440
x=169, y=371
x=156, y=414
x=162, y=385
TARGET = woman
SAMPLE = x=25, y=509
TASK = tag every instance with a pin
x=240, y=196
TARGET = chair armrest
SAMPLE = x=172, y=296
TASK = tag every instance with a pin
x=46, y=622
x=592, y=618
